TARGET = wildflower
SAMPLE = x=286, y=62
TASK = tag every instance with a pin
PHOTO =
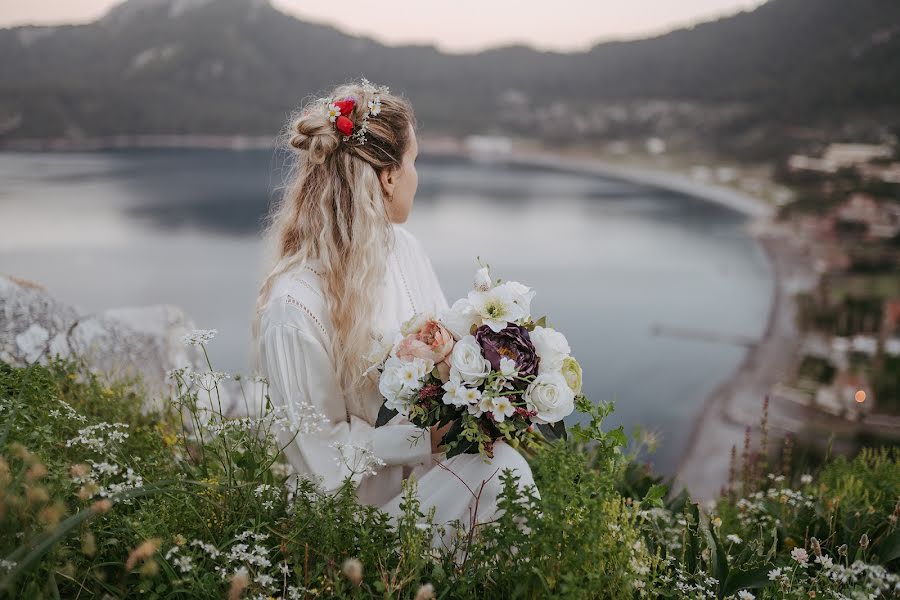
x=184, y=563
x=36, y=494
x=353, y=570
x=358, y=459
x=142, y=552
x=261, y=490
x=198, y=337
x=774, y=574
x=79, y=472
x=745, y=595
x=36, y=471
x=98, y=437
x=7, y=565
x=208, y=380
x=864, y=541
x=51, y=515
x=101, y=506
x=800, y=555
x=816, y=546
x=425, y=592
x=806, y=479
x=716, y=522
x=239, y=582
x=734, y=539
x=825, y=561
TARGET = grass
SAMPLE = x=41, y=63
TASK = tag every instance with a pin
x=99, y=499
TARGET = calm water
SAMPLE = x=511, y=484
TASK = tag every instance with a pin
x=608, y=259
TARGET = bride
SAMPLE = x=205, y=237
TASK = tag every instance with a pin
x=346, y=273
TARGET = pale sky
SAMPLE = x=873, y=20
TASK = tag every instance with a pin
x=456, y=26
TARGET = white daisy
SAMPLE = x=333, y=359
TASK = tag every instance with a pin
x=374, y=106
x=334, y=111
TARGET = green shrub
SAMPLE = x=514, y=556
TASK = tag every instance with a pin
x=101, y=499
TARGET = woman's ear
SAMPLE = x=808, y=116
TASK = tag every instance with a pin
x=388, y=180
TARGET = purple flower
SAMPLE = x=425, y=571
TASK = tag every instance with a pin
x=512, y=342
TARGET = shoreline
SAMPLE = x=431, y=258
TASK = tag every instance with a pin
x=736, y=403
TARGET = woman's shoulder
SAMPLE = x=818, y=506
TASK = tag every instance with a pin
x=405, y=236
x=409, y=247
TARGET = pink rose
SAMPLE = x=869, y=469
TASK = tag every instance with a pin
x=432, y=342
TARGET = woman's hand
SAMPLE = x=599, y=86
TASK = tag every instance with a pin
x=437, y=436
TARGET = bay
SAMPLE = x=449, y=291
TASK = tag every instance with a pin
x=610, y=260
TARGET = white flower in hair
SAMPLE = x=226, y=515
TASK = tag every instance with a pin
x=334, y=111
x=374, y=106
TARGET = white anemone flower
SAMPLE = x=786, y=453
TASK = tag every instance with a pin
x=453, y=389
x=486, y=404
x=471, y=395
x=496, y=307
x=503, y=408
x=411, y=373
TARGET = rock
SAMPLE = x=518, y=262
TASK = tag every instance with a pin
x=123, y=342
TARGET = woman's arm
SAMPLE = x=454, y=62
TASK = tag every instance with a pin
x=302, y=380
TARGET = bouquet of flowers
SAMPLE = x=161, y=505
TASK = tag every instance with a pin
x=483, y=364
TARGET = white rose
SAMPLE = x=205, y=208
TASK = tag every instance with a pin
x=459, y=318
x=390, y=384
x=551, y=346
x=467, y=362
x=550, y=395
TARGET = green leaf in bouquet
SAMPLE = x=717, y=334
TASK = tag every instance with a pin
x=553, y=432
x=385, y=414
x=458, y=444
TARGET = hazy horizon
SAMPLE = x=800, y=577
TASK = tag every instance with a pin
x=569, y=27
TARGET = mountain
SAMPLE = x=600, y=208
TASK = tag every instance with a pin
x=241, y=66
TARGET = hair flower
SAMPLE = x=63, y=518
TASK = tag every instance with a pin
x=333, y=111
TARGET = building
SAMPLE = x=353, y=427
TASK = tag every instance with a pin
x=881, y=218
x=841, y=156
x=849, y=396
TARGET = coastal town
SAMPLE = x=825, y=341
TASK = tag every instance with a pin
x=825, y=374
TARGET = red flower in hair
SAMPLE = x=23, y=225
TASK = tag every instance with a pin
x=343, y=122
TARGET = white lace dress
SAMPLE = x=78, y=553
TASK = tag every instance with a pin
x=295, y=348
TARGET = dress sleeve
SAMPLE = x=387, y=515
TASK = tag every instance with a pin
x=329, y=443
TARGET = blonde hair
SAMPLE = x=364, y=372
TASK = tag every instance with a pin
x=332, y=208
